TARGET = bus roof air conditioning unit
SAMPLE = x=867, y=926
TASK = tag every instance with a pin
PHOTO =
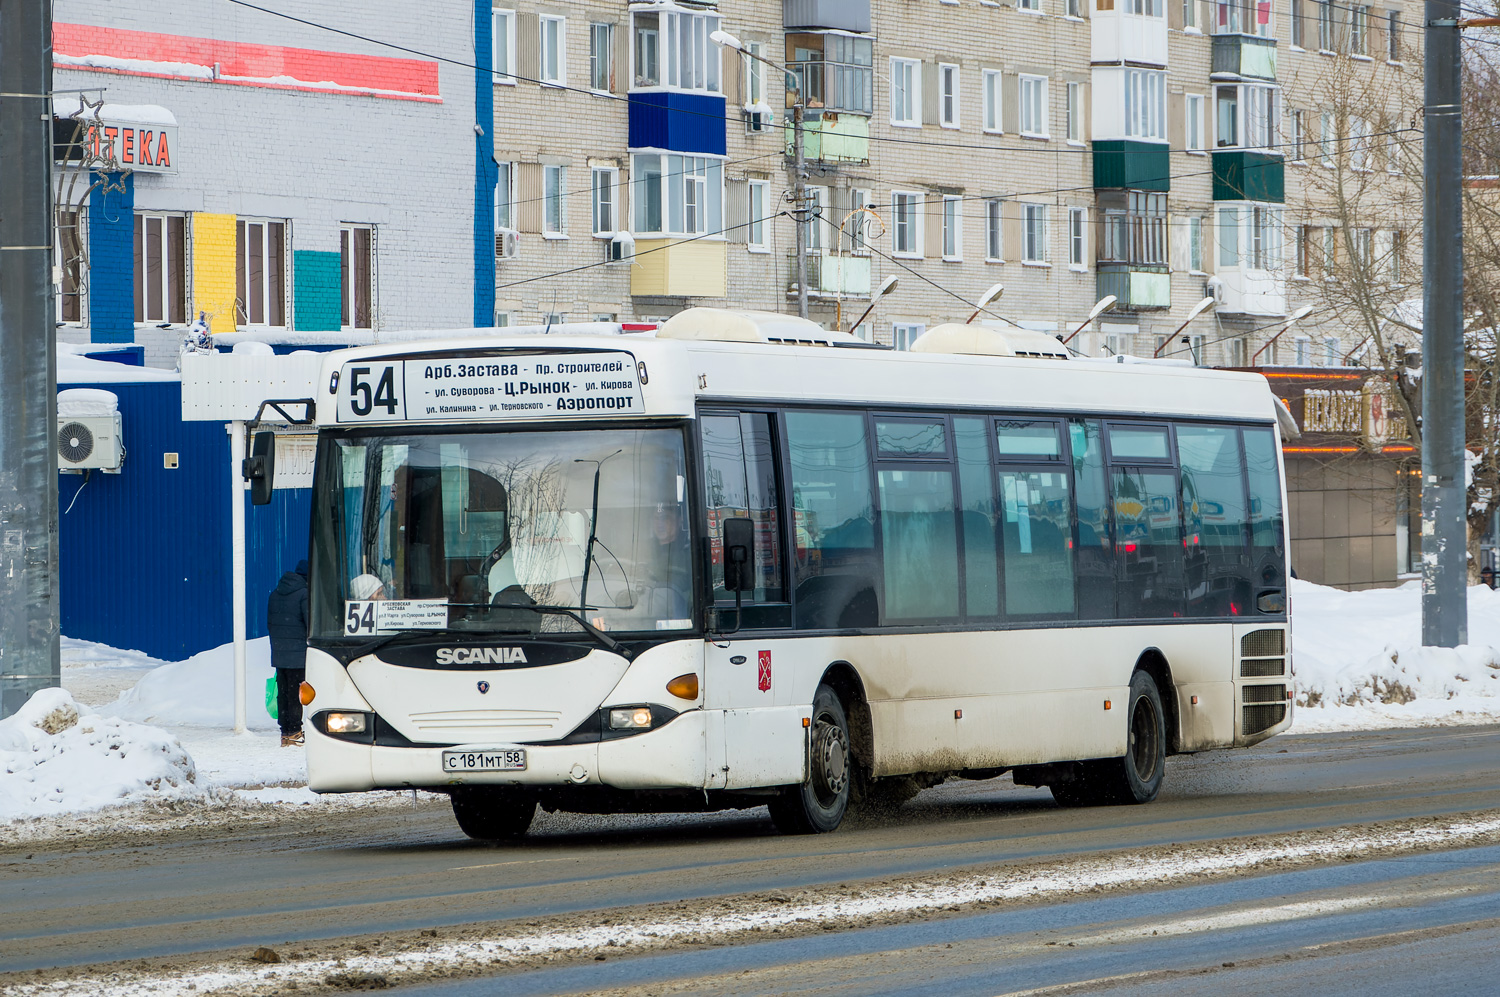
x=620, y=248
x=507, y=244
x=979, y=340
x=89, y=432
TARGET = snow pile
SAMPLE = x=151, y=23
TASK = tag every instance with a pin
x=200, y=690
x=1360, y=662
x=84, y=403
x=57, y=756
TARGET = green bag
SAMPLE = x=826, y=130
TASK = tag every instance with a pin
x=271, y=697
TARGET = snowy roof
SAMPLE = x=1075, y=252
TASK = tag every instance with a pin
x=365, y=337
x=140, y=114
x=72, y=368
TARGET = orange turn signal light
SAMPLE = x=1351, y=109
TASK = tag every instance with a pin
x=684, y=686
x=306, y=693
x=1108, y=705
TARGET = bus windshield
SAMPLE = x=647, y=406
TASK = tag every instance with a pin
x=495, y=523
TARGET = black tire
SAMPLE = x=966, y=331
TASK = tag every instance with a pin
x=818, y=805
x=1137, y=776
x=488, y=813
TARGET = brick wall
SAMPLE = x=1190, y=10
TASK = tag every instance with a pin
x=112, y=261
x=316, y=290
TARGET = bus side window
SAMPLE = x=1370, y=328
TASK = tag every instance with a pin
x=739, y=472
x=838, y=577
x=1148, y=521
x=1267, y=541
x=1096, y=552
x=976, y=485
x=1213, y=513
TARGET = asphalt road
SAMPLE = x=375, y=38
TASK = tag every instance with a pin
x=74, y=902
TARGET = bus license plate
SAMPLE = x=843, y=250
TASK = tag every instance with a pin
x=508, y=760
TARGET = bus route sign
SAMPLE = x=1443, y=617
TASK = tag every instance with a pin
x=462, y=389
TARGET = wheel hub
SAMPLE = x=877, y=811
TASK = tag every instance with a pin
x=830, y=757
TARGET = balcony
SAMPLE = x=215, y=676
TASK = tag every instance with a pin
x=669, y=267
x=1127, y=164
x=838, y=15
x=1118, y=37
x=677, y=121
x=1137, y=287
x=833, y=138
x=1245, y=175
x=1247, y=291
x=831, y=275
x=1245, y=56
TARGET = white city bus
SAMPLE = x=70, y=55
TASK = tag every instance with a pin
x=745, y=562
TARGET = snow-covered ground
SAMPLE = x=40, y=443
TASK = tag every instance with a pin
x=126, y=728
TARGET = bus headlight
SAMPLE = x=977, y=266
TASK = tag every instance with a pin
x=630, y=718
x=345, y=723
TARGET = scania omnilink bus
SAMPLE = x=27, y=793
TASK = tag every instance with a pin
x=746, y=562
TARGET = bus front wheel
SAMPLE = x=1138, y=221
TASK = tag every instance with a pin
x=489, y=813
x=1137, y=776
x=818, y=805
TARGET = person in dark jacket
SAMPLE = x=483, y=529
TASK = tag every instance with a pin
x=286, y=620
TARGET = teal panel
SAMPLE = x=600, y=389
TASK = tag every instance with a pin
x=317, y=290
x=1150, y=290
x=1132, y=165
x=1258, y=60
x=1240, y=175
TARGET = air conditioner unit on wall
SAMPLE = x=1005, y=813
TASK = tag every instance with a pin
x=507, y=244
x=90, y=442
x=620, y=249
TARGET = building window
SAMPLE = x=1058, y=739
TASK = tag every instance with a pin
x=357, y=275
x=605, y=185
x=1146, y=104
x=1195, y=244
x=1075, y=8
x=1250, y=237
x=1331, y=352
x=948, y=96
x=1327, y=137
x=755, y=237
x=1299, y=31
x=1297, y=137
x=817, y=210
x=1246, y=117
x=835, y=71
x=672, y=48
x=906, y=98
x=994, y=219
x=903, y=334
x=503, y=46
x=677, y=195
x=160, y=268
x=1034, y=106
x=554, y=50
x=991, y=101
x=554, y=191
x=1303, y=351
x=1135, y=227
x=1146, y=8
x=260, y=272
x=1034, y=233
x=1327, y=37
x=860, y=227
x=1362, y=239
x=1031, y=5
x=1229, y=237
x=67, y=257
x=906, y=223
x=953, y=242
x=1193, y=104
x=1359, y=144
x=1330, y=251
x=505, y=195
x=1304, y=237
x=602, y=57
x=1190, y=15
x=1077, y=238
x=1359, y=30
x=1075, y=112
x=1393, y=35
x=755, y=74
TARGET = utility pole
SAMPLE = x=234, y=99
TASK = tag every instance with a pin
x=28, y=359
x=1445, y=573
x=799, y=192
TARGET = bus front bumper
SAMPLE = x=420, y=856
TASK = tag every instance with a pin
x=674, y=756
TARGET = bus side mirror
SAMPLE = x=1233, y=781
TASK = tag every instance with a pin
x=260, y=467
x=739, y=555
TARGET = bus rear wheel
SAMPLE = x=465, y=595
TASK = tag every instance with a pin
x=818, y=805
x=492, y=813
x=1135, y=777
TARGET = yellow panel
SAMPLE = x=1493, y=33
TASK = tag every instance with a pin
x=648, y=272
x=698, y=269
x=213, y=270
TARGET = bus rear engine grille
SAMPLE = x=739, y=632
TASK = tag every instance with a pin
x=1264, y=707
x=1263, y=654
x=506, y=722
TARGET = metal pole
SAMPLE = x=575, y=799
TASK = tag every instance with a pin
x=1444, y=527
x=28, y=360
x=237, y=563
x=799, y=192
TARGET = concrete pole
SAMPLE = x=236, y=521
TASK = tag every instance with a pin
x=29, y=629
x=799, y=192
x=237, y=566
x=1444, y=528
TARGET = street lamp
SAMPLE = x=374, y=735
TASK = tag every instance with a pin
x=1196, y=310
x=886, y=287
x=984, y=299
x=1292, y=320
x=799, y=179
x=1101, y=306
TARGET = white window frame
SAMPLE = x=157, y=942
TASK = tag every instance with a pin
x=1359, y=31
x=912, y=202
x=1034, y=107
x=703, y=174
x=1078, y=240
x=679, y=32
x=994, y=230
x=605, y=201
x=1194, y=141
x=1327, y=140
x=244, y=223
x=817, y=227
x=1332, y=352
x=1190, y=18
x=1195, y=258
x=503, y=75
x=1301, y=351
x=596, y=28
x=906, y=93
x=948, y=95
x=992, y=87
x=1361, y=149
x=953, y=228
x=1146, y=104
x=348, y=299
x=505, y=195
x=549, y=72
x=757, y=231
x=60, y=261
x=169, y=290
x=903, y=334
x=1296, y=139
x=755, y=75
x=1073, y=126
x=1029, y=6
x=554, y=202
x=861, y=230
x=1034, y=235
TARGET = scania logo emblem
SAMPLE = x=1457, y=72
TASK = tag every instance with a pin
x=484, y=686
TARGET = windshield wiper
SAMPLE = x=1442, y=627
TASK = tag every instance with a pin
x=610, y=644
x=588, y=551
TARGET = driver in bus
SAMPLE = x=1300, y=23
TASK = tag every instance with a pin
x=669, y=601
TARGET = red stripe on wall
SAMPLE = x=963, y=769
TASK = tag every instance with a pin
x=275, y=67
